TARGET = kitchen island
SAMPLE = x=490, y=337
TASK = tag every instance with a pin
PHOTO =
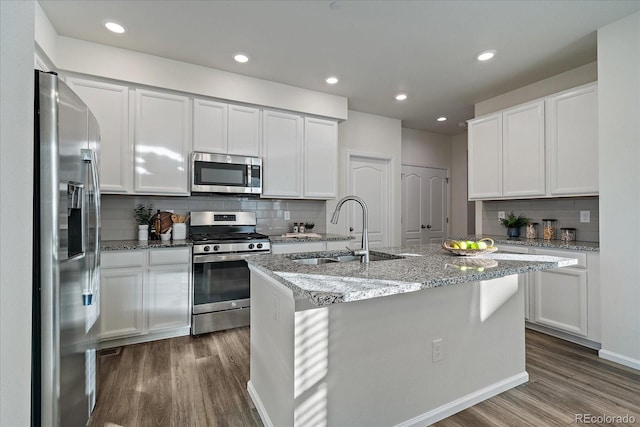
x=406, y=340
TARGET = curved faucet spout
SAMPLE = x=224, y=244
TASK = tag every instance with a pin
x=364, y=253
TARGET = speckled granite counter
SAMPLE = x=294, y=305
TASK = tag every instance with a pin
x=325, y=237
x=541, y=243
x=131, y=245
x=421, y=267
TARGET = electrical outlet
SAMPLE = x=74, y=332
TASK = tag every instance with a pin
x=501, y=215
x=437, y=350
x=585, y=216
x=287, y=215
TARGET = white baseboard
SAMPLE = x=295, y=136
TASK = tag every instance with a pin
x=253, y=394
x=619, y=358
x=465, y=402
x=137, y=339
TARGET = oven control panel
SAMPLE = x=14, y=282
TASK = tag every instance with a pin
x=225, y=248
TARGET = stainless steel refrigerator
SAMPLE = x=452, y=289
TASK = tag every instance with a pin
x=66, y=255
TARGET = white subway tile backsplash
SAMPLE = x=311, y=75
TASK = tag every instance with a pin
x=118, y=222
x=566, y=211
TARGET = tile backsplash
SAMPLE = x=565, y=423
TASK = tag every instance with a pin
x=118, y=222
x=566, y=211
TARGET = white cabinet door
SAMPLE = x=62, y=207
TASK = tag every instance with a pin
x=168, y=297
x=244, y=131
x=485, y=157
x=281, y=154
x=209, y=126
x=320, y=158
x=121, y=303
x=110, y=104
x=162, y=143
x=561, y=299
x=572, y=141
x=523, y=161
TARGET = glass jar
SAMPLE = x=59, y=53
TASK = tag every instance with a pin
x=531, y=232
x=549, y=229
x=568, y=234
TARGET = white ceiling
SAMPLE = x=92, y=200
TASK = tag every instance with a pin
x=376, y=48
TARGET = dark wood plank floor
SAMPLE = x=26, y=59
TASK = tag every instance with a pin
x=201, y=381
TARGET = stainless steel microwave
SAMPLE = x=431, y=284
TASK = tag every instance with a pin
x=220, y=173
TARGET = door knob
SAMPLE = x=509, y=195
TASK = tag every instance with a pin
x=428, y=226
x=350, y=228
x=422, y=226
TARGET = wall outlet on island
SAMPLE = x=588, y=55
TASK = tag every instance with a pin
x=501, y=215
x=437, y=350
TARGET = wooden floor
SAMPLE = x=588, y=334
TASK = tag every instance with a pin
x=202, y=381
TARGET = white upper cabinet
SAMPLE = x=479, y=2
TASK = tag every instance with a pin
x=299, y=156
x=544, y=148
x=572, y=141
x=226, y=128
x=523, y=151
x=320, y=158
x=110, y=104
x=162, y=143
x=485, y=157
x=281, y=154
x=210, y=126
x=244, y=131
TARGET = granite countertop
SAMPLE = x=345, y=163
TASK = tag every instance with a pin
x=423, y=267
x=576, y=245
x=324, y=237
x=129, y=245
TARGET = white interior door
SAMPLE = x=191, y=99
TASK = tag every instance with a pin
x=425, y=210
x=370, y=178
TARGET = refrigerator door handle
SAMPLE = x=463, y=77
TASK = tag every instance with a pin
x=90, y=157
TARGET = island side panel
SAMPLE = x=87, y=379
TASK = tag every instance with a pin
x=272, y=342
x=379, y=369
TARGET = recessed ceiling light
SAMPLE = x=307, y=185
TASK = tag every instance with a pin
x=401, y=97
x=241, y=57
x=331, y=80
x=114, y=27
x=441, y=119
x=485, y=55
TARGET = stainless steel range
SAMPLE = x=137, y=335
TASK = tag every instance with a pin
x=221, y=242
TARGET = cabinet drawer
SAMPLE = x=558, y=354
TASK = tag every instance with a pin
x=169, y=256
x=119, y=259
x=580, y=256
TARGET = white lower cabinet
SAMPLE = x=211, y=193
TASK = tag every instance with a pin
x=564, y=299
x=145, y=295
x=561, y=299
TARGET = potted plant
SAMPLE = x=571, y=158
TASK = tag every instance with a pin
x=513, y=224
x=142, y=215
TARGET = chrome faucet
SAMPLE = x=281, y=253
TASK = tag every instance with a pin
x=364, y=252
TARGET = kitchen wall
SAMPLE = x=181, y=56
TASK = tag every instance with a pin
x=422, y=148
x=16, y=181
x=118, y=222
x=566, y=211
x=462, y=211
x=619, y=136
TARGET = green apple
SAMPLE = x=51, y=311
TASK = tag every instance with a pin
x=474, y=246
x=482, y=245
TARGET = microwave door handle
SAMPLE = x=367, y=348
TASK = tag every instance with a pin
x=248, y=175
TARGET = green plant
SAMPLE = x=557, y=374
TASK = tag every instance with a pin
x=513, y=221
x=309, y=225
x=143, y=214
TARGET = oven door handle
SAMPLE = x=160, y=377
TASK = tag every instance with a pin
x=202, y=259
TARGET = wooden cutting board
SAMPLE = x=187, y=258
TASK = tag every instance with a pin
x=165, y=221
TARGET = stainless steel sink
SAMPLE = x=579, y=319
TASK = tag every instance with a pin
x=345, y=258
